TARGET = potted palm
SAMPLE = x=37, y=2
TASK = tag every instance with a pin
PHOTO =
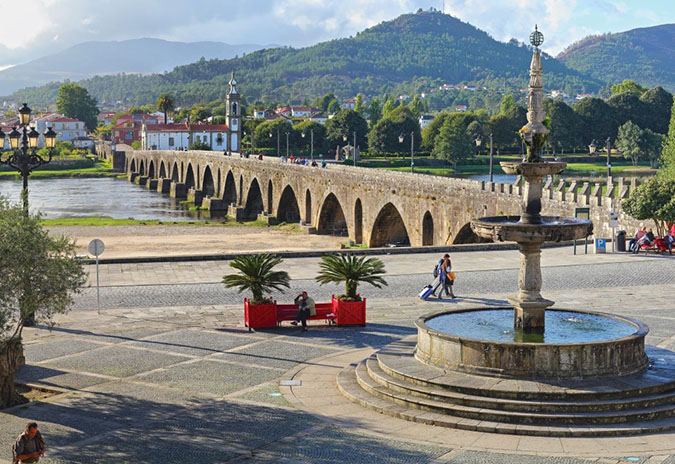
x=257, y=276
x=350, y=308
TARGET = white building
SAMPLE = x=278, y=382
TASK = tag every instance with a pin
x=182, y=135
x=302, y=111
x=425, y=120
x=67, y=129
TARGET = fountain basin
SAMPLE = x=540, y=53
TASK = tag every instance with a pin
x=533, y=170
x=551, y=229
x=617, y=351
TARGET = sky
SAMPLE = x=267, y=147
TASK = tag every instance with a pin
x=34, y=28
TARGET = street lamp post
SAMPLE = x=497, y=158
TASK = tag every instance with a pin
x=609, y=160
x=591, y=148
x=345, y=138
x=22, y=154
x=278, y=145
x=311, y=143
x=412, y=149
x=287, y=145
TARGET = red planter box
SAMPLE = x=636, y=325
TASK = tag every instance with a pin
x=349, y=312
x=259, y=316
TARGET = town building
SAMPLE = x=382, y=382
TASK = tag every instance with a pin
x=461, y=108
x=425, y=120
x=128, y=128
x=67, y=129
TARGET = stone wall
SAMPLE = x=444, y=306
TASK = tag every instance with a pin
x=371, y=206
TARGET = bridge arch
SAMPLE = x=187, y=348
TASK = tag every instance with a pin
x=132, y=168
x=288, y=209
x=389, y=228
x=141, y=168
x=308, y=207
x=151, y=169
x=175, y=175
x=467, y=235
x=190, y=178
x=230, y=190
x=254, y=201
x=358, y=221
x=427, y=229
x=208, y=186
x=332, y=219
x=162, y=170
x=270, y=196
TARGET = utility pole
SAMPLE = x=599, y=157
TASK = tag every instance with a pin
x=311, y=149
x=491, y=155
x=412, y=151
x=354, y=149
x=609, y=161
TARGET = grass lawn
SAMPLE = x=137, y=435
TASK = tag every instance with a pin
x=100, y=170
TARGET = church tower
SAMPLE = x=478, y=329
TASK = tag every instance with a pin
x=234, y=117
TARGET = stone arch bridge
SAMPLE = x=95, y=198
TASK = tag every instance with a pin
x=370, y=206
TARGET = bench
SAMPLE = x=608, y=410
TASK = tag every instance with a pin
x=659, y=245
x=288, y=312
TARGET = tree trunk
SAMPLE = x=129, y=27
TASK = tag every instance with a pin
x=11, y=359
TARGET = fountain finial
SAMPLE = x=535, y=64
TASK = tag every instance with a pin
x=534, y=133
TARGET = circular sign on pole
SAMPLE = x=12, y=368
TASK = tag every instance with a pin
x=96, y=247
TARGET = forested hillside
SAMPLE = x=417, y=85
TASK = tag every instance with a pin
x=414, y=50
x=645, y=55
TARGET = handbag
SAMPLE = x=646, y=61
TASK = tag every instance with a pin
x=451, y=275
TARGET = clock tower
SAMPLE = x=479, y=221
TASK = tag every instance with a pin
x=234, y=117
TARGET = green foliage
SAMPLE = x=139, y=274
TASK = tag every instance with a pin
x=345, y=123
x=596, y=120
x=74, y=101
x=654, y=199
x=374, y=111
x=265, y=134
x=39, y=272
x=352, y=270
x=304, y=143
x=630, y=141
x=668, y=153
x=565, y=127
x=453, y=143
x=165, y=104
x=658, y=103
x=256, y=275
x=199, y=145
x=505, y=127
x=384, y=136
x=359, y=107
x=136, y=145
x=508, y=104
x=628, y=86
x=325, y=101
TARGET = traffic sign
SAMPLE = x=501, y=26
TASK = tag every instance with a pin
x=96, y=247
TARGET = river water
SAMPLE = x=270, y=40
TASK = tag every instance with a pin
x=108, y=197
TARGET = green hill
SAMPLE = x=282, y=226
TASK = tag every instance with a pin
x=411, y=53
x=645, y=55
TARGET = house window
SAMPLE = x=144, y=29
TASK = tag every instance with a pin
x=171, y=141
x=219, y=139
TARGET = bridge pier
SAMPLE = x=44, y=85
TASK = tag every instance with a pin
x=151, y=184
x=214, y=204
x=163, y=185
x=236, y=212
x=195, y=196
x=141, y=180
x=132, y=176
x=178, y=190
x=271, y=220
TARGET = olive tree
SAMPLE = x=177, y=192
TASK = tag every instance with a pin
x=39, y=276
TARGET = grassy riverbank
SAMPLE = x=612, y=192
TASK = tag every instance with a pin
x=100, y=169
x=105, y=221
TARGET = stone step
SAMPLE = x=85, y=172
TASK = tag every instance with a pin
x=514, y=417
x=349, y=387
x=482, y=401
x=397, y=360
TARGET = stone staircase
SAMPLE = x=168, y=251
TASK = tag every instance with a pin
x=393, y=382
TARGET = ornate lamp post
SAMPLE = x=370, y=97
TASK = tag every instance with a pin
x=22, y=154
x=609, y=161
x=591, y=148
x=345, y=138
x=412, y=149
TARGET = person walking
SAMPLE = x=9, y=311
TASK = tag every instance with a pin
x=307, y=308
x=447, y=277
x=438, y=280
x=29, y=446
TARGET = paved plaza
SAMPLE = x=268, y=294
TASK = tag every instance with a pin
x=167, y=372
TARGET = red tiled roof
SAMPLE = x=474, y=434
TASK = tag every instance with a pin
x=64, y=119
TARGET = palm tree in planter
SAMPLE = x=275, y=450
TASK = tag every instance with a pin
x=349, y=308
x=256, y=275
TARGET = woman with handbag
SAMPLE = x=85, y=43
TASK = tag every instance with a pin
x=448, y=277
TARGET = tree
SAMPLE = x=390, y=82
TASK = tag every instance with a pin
x=256, y=275
x=655, y=199
x=431, y=131
x=199, y=113
x=345, y=123
x=565, y=129
x=508, y=104
x=265, y=134
x=597, y=122
x=325, y=101
x=668, y=152
x=629, y=141
x=389, y=105
x=383, y=136
x=505, y=127
x=651, y=145
x=39, y=276
x=628, y=86
x=165, y=104
x=352, y=270
x=659, y=103
x=628, y=107
x=334, y=107
x=416, y=106
x=359, y=107
x=74, y=101
x=307, y=127
x=453, y=142
x=374, y=111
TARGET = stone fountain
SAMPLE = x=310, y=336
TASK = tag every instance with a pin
x=506, y=369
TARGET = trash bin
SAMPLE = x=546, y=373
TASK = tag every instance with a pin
x=621, y=240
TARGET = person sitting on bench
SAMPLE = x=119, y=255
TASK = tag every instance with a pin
x=647, y=239
x=307, y=308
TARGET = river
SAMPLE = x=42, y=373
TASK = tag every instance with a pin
x=106, y=197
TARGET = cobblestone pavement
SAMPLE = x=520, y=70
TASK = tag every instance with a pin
x=601, y=275
x=168, y=374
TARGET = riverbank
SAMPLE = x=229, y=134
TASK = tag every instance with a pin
x=195, y=239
